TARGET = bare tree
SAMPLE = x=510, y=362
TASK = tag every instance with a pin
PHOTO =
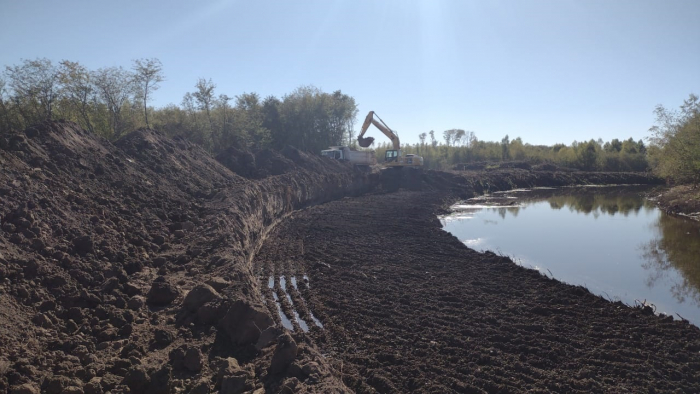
x=148, y=74
x=205, y=97
x=115, y=85
x=77, y=86
x=37, y=82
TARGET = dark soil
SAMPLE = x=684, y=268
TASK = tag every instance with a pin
x=141, y=266
x=406, y=307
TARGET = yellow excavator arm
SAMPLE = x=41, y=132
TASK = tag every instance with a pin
x=365, y=142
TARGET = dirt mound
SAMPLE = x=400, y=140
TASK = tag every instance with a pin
x=100, y=244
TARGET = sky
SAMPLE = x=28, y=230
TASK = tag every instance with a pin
x=548, y=71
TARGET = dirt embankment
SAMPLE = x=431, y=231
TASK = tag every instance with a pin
x=102, y=244
x=128, y=267
x=681, y=200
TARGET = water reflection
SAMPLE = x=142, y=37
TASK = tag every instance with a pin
x=675, y=247
x=609, y=239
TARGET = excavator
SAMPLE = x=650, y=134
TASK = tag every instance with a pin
x=392, y=157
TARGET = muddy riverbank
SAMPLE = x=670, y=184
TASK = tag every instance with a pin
x=407, y=307
x=681, y=200
x=143, y=266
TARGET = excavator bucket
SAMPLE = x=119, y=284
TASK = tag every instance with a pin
x=365, y=142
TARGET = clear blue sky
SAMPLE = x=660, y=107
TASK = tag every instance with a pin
x=546, y=70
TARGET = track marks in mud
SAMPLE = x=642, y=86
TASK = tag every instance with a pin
x=288, y=301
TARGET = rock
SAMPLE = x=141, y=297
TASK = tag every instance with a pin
x=162, y=338
x=160, y=381
x=136, y=303
x=83, y=244
x=94, y=386
x=244, y=322
x=284, y=355
x=193, y=360
x=201, y=387
x=27, y=388
x=198, y=296
x=211, y=312
x=228, y=367
x=162, y=293
x=56, y=384
x=137, y=379
x=218, y=283
x=41, y=320
x=268, y=336
x=234, y=385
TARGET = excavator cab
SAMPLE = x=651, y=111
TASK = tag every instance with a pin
x=391, y=155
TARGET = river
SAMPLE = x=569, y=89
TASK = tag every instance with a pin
x=612, y=240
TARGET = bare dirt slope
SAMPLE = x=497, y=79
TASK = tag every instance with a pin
x=101, y=243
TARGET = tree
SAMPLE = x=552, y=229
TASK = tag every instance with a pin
x=422, y=137
x=433, y=141
x=205, y=97
x=148, y=73
x=35, y=82
x=505, y=148
x=675, y=142
x=114, y=85
x=78, y=88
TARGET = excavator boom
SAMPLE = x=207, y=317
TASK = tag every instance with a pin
x=365, y=142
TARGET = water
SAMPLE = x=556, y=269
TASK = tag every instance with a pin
x=609, y=239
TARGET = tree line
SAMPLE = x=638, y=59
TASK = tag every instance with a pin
x=458, y=148
x=112, y=101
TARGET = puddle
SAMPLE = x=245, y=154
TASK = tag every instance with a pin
x=316, y=321
x=285, y=320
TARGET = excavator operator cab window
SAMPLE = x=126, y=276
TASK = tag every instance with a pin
x=391, y=155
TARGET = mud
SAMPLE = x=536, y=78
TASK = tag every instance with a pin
x=143, y=266
x=407, y=307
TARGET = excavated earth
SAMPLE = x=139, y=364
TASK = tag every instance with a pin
x=148, y=266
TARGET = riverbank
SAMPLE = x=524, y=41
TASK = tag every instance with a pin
x=407, y=307
x=138, y=267
x=683, y=200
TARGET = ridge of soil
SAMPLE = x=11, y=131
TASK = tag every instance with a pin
x=135, y=266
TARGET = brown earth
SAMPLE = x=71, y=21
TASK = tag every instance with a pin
x=683, y=200
x=142, y=266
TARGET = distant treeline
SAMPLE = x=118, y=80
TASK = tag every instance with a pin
x=462, y=147
x=113, y=101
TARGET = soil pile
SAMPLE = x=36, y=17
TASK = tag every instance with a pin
x=103, y=246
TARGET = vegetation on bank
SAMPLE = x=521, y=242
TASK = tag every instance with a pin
x=114, y=100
